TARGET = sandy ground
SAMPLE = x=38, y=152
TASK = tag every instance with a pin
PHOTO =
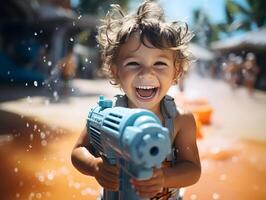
x=37, y=135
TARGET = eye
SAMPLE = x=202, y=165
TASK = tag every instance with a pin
x=132, y=64
x=160, y=65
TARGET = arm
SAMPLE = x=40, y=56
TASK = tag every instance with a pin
x=84, y=161
x=81, y=157
x=187, y=169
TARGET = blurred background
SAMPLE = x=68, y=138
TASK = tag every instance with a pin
x=50, y=77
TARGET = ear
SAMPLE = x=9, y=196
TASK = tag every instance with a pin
x=176, y=74
x=114, y=72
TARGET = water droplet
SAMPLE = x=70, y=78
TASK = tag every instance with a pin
x=21, y=183
x=41, y=31
x=55, y=94
x=49, y=63
x=215, y=196
x=26, y=84
x=77, y=185
x=38, y=195
x=46, y=102
x=222, y=177
x=17, y=195
x=31, y=196
x=35, y=83
x=235, y=159
x=31, y=137
x=44, y=143
x=86, y=59
x=79, y=16
x=51, y=176
x=8, y=72
x=41, y=178
x=29, y=48
x=48, y=194
x=74, y=23
x=72, y=89
x=16, y=170
x=46, y=45
x=42, y=134
x=35, y=34
x=27, y=125
x=71, y=39
x=193, y=197
x=29, y=99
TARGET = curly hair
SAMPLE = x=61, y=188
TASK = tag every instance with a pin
x=149, y=23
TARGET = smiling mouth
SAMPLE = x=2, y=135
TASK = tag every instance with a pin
x=146, y=92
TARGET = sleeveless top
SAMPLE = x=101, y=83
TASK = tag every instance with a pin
x=169, y=112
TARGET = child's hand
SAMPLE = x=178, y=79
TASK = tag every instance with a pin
x=149, y=188
x=107, y=175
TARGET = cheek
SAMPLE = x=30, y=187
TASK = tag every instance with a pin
x=126, y=75
x=125, y=78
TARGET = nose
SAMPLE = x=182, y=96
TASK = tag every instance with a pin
x=146, y=72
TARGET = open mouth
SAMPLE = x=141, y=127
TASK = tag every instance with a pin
x=146, y=92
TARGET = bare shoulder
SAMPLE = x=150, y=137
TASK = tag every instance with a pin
x=185, y=138
x=184, y=121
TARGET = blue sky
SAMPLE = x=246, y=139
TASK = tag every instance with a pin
x=183, y=9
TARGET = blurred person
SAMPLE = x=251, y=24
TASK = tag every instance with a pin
x=143, y=55
x=67, y=70
x=232, y=71
x=250, y=71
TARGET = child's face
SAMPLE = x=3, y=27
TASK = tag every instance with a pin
x=145, y=74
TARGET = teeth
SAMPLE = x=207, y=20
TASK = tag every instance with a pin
x=145, y=87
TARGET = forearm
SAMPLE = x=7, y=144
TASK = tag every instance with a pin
x=84, y=161
x=181, y=175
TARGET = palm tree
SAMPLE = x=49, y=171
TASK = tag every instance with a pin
x=205, y=31
x=241, y=17
x=94, y=7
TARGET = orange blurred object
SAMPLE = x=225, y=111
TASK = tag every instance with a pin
x=198, y=125
x=201, y=108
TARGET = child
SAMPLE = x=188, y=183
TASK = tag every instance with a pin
x=250, y=71
x=144, y=56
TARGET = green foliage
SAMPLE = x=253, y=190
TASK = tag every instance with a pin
x=99, y=7
x=238, y=17
x=205, y=31
x=255, y=13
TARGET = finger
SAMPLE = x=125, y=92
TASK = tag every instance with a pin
x=157, y=173
x=108, y=177
x=111, y=168
x=107, y=184
x=108, y=169
x=152, y=188
x=147, y=194
x=142, y=183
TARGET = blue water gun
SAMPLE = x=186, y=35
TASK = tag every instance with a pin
x=133, y=139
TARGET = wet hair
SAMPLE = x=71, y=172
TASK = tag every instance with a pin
x=148, y=21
